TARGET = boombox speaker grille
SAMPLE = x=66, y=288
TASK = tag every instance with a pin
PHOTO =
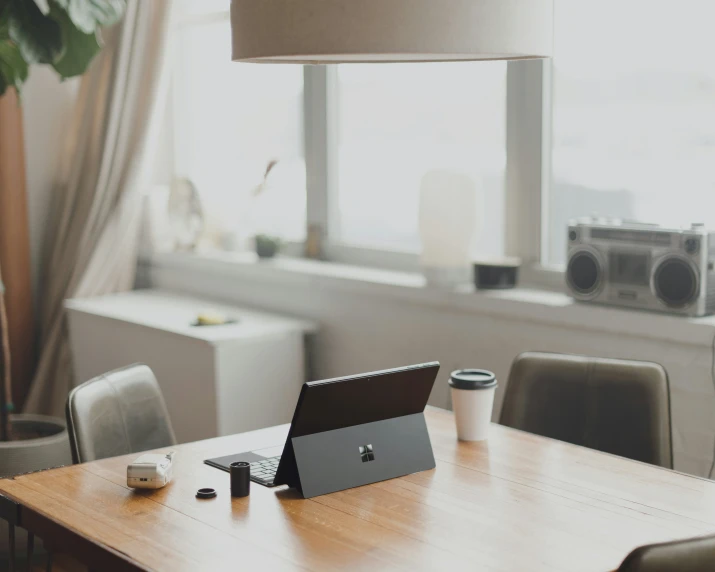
x=675, y=282
x=584, y=273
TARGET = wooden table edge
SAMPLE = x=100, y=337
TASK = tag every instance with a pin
x=61, y=538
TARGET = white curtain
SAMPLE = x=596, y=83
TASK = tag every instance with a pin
x=93, y=239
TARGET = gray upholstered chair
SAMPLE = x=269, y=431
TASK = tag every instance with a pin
x=691, y=555
x=616, y=406
x=117, y=413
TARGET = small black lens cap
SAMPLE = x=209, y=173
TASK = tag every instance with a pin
x=205, y=493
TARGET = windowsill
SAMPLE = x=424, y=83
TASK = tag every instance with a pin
x=527, y=304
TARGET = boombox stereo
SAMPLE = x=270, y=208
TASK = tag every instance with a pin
x=642, y=266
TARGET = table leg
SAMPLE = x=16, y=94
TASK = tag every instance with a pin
x=11, y=534
x=10, y=513
x=30, y=550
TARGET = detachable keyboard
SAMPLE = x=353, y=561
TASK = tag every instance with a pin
x=263, y=472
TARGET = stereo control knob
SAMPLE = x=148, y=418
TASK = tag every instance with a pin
x=691, y=245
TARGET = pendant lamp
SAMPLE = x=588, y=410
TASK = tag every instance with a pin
x=344, y=31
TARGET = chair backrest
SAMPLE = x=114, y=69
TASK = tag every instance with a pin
x=691, y=555
x=117, y=413
x=617, y=406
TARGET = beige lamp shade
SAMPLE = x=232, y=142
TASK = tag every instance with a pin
x=341, y=31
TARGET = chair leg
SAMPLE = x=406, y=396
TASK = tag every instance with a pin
x=48, y=567
x=11, y=534
x=30, y=550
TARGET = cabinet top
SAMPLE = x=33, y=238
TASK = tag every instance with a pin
x=177, y=313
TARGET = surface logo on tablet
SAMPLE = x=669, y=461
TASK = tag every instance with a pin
x=366, y=453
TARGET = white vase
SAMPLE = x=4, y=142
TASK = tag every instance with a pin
x=448, y=221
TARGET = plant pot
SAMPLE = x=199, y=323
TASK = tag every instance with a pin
x=48, y=446
x=266, y=249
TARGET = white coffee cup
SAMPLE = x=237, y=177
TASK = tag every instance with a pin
x=473, y=400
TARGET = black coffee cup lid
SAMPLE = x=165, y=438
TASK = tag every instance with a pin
x=472, y=379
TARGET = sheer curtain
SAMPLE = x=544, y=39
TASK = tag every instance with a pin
x=92, y=247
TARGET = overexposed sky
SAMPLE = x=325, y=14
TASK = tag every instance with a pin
x=607, y=37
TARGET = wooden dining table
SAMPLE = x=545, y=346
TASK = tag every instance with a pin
x=514, y=502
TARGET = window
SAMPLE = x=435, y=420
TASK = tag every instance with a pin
x=392, y=125
x=230, y=122
x=633, y=114
x=398, y=122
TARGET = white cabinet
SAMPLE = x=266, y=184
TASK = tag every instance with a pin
x=216, y=380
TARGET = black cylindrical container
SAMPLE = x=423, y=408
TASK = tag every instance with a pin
x=240, y=479
x=496, y=274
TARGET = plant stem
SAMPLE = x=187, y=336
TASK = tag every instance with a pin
x=5, y=373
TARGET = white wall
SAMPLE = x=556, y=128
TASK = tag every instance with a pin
x=365, y=327
x=47, y=107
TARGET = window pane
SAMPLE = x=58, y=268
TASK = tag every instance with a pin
x=231, y=120
x=398, y=122
x=192, y=7
x=634, y=113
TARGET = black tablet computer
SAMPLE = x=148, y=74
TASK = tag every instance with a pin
x=350, y=431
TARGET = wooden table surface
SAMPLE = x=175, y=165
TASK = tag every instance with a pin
x=515, y=502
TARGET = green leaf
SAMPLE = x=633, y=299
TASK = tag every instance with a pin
x=44, y=6
x=80, y=48
x=37, y=36
x=13, y=68
x=89, y=15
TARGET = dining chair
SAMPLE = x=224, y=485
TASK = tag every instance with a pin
x=117, y=413
x=691, y=555
x=616, y=406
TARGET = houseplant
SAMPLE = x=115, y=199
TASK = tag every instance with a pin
x=64, y=34
x=27, y=442
x=267, y=246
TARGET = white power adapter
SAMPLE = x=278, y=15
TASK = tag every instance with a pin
x=150, y=471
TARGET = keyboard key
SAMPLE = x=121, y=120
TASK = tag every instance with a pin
x=264, y=471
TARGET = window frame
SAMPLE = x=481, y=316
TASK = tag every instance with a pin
x=321, y=149
x=527, y=177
